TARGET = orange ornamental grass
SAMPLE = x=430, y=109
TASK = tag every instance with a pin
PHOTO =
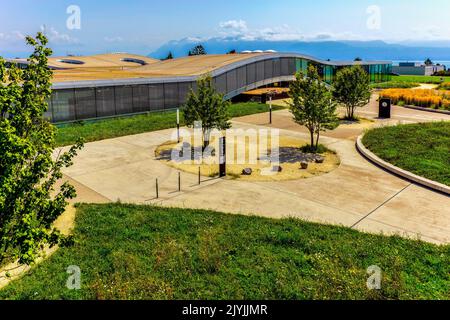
x=427, y=98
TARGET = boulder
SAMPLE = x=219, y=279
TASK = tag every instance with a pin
x=247, y=172
x=304, y=165
x=277, y=169
x=320, y=159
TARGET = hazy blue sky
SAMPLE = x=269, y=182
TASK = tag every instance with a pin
x=141, y=26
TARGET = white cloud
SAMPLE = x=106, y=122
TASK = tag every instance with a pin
x=431, y=32
x=113, y=39
x=234, y=26
x=239, y=30
x=13, y=36
x=57, y=37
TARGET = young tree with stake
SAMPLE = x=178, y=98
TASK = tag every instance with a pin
x=312, y=105
x=208, y=106
x=351, y=88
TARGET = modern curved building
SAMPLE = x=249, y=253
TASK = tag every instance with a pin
x=122, y=84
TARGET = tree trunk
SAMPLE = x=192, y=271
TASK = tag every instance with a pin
x=206, y=137
x=317, y=141
x=312, y=139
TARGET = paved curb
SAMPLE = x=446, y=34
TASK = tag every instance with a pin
x=427, y=109
x=396, y=170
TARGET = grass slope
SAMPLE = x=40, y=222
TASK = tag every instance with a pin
x=420, y=79
x=423, y=149
x=118, y=127
x=142, y=252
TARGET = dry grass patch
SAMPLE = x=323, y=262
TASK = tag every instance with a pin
x=290, y=157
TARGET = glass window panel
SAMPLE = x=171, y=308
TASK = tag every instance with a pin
x=268, y=69
x=285, y=67
x=63, y=102
x=183, y=89
x=251, y=73
x=140, y=98
x=85, y=103
x=156, y=96
x=277, y=67
x=171, y=99
x=241, y=77
x=259, y=71
x=106, y=105
x=221, y=83
x=124, y=99
x=231, y=81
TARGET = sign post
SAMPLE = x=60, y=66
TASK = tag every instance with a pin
x=222, y=157
x=385, y=108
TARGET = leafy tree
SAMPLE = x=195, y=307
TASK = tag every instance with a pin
x=351, y=88
x=358, y=59
x=312, y=105
x=428, y=62
x=197, y=51
x=169, y=56
x=208, y=106
x=232, y=51
x=29, y=203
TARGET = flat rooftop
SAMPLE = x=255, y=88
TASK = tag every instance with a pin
x=122, y=66
x=180, y=67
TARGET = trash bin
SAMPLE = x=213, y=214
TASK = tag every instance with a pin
x=385, y=108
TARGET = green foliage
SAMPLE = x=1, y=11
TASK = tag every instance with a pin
x=197, y=51
x=312, y=105
x=207, y=106
x=428, y=62
x=28, y=173
x=444, y=86
x=395, y=85
x=423, y=148
x=144, y=252
x=351, y=88
x=318, y=149
x=169, y=56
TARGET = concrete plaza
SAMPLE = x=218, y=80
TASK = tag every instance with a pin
x=357, y=194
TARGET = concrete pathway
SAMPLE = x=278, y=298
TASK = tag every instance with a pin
x=357, y=194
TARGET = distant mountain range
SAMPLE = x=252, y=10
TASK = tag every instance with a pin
x=334, y=50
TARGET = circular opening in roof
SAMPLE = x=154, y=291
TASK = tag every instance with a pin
x=133, y=60
x=71, y=61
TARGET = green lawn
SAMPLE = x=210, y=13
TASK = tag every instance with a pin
x=423, y=149
x=420, y=79
x=117, y=127
x=143, y=252
x=394, y=84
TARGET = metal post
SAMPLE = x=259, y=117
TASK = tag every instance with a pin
x=270, y=99
x=157, y=189
x=222, y=158
x=178, y=125
x=179, y=182
x=199, y=177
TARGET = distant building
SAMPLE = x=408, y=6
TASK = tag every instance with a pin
x=111, y=85
x=416, y=69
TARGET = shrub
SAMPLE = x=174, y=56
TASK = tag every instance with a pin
x=427, y=98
